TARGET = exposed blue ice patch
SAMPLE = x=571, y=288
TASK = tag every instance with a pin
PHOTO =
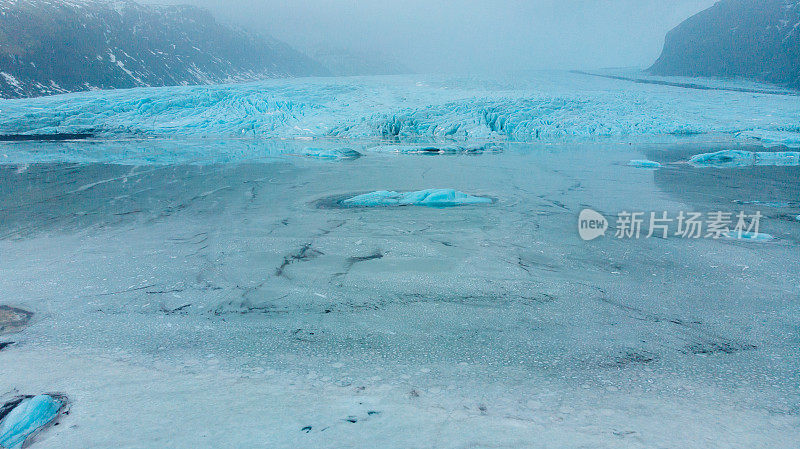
x=432, y=149
x=781, y=159
x=430, y=198
x=789, y=139
x=644, y=164
x=739, y=158
x=725, y=158
x=333, y=153
x=27, y=417
x=749, y=236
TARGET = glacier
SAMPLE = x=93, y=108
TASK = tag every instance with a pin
x=197, y=258
x=540, y=107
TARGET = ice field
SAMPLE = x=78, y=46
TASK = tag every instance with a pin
x=538, y=106
x=300, y=286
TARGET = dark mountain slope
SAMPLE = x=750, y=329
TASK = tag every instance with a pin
x=755, y=39
x=49, y=46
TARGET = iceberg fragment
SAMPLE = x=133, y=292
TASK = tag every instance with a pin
x=797, y=218
x=28, y=416
x=749, y=236
x=641, y=163
x=334, y=153
x=739, y=158
x=438, y=198
x=789, y=139
x=780, y=159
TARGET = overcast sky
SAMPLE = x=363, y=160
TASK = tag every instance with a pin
x=471, y=35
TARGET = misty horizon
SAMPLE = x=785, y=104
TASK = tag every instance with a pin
x=468, y=37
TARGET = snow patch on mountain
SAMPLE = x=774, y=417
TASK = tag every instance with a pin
x=49, y=47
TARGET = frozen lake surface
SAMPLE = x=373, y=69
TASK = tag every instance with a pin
x=202, y=291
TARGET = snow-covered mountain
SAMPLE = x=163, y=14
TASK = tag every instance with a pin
x=755, y=39
x=55, y=46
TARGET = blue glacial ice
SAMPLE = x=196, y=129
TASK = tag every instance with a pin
x=786, y=138
x=749, y=236
x=545, y=106
x=26, y=418
x=739, y=158
x=330, y=153
x=434, y=149
x=438, y=198
x=644, y=164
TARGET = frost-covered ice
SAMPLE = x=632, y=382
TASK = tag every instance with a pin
x=544, y=106
x=641, y=163
x=26, y=418
x=439, y=198
x=741, y=158
x=187, y=274
x=217, y=291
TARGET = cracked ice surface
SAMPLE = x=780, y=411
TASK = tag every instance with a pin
x=214, y=291
x=543, y=106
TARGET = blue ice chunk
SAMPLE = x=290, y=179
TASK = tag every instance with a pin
x=430, y=198
x=441, y=198
x=26, y=418
x=372, y=199
x=725, y=158
x=739, y=158
x=641, y=163
x=331, y=153
x=797, y=218
x=749, y=236
x=789, y=139
x=406, y=149
x=779, y=159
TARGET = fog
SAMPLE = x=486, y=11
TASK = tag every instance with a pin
x=470, y=35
